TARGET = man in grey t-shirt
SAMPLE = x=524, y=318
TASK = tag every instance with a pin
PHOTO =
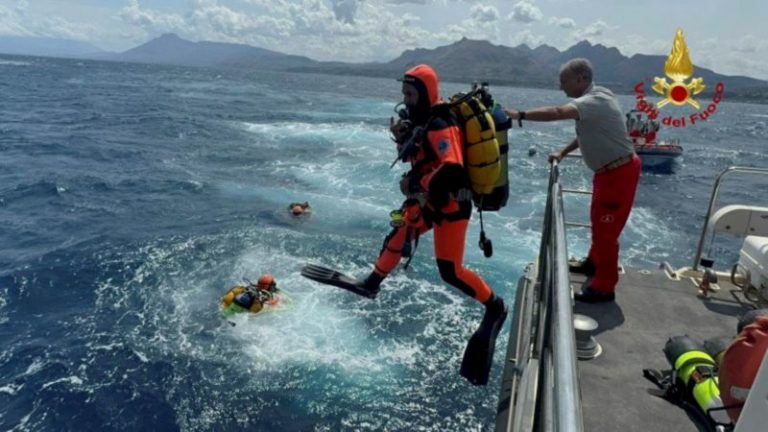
x=602, y=137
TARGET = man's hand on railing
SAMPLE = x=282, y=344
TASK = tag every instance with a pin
x=556, y=156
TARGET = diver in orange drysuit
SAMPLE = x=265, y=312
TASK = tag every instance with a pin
x=433, y=187
x=438, y=198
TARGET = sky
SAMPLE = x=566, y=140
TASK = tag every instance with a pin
x=729, y=37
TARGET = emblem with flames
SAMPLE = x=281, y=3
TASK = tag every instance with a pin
x=678, y=68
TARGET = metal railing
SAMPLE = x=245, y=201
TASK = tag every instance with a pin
x=567, y=398
x=713, y=199
x=544, y=392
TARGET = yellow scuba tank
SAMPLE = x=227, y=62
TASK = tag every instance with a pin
x=481, y=149
x=486, y=150
x=228, y=301
x=229, y=297
x=696, y=371
x=500, y=193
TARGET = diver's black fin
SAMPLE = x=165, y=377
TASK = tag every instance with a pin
x=478, y=356
x=328, y=276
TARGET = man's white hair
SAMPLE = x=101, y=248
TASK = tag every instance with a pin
x=580, y=67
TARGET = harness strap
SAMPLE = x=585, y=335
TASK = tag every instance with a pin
x=667, y=382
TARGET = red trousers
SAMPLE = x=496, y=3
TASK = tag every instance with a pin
x=613, y=193
x=449, y=240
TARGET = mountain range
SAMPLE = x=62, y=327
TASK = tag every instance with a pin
x=463, y=61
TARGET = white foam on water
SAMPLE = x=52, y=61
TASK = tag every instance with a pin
x=73, y=380
x=643, y=234
x=357, y=133
x=4, y=62
x=35, y=367
x=11, y=389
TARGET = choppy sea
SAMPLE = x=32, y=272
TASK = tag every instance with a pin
x=132, y=196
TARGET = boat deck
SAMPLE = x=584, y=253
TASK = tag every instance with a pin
x=650, y=307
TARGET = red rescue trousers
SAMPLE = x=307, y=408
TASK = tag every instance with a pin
x=449, y=239
x=613, y=193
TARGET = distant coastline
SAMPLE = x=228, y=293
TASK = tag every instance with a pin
x=460, y=62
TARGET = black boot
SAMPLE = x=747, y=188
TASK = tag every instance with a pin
x=585, y=267
x=588, y=295
x=371, y=285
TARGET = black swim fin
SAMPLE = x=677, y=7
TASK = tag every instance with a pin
x=478, y=356
x=328, y=276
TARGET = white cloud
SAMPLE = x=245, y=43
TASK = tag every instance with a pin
x=345, y=10
x=707, y=44
x=409, y=1
x=566, y=23
x=633, y=44
x=483, y=23
x=345, y=30
x=528, y=38
x=21, y=6
x=597, y=28
x=150, y=21
x=16, y=21
x=484, y=14
x=734, y=63
x=363, y=30
x=10, y=23
x=749, y=44
x=525, y=12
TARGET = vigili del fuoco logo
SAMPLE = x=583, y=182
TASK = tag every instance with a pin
x=680, y=91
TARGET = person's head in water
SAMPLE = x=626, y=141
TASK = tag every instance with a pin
x=298, y=209
x=420, y=92
x=575, y=77
x=266, y=283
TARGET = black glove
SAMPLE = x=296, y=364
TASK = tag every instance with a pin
x=448, y=180
x=409, y=183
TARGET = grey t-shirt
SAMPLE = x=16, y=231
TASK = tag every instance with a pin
x=601, y=130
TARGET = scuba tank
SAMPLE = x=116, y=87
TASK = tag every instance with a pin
x=485, y=127
x=695, y=371
x=500, y=194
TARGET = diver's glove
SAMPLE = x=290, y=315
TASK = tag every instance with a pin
x=448, y=180
x=409, y=184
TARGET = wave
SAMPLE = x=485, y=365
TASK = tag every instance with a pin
x=4, y=62
x=37, y=189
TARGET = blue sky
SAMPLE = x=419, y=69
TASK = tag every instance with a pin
x=729, y=38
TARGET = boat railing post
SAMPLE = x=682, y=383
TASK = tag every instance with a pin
x=713, y=199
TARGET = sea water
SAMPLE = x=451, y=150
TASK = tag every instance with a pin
x=133, y=196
